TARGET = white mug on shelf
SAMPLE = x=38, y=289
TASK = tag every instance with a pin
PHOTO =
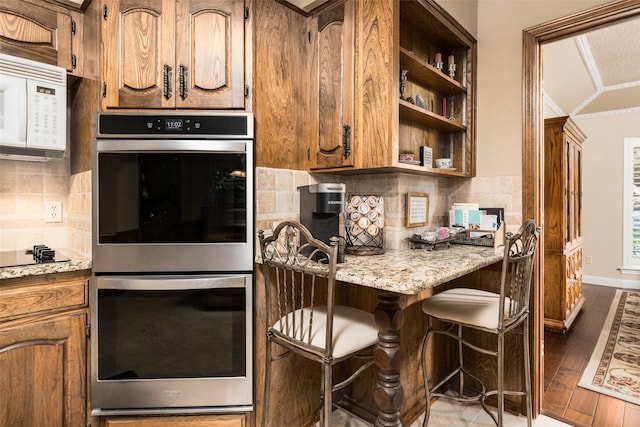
x=444, y=163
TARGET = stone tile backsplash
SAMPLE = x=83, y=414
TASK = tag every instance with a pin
x=24, y=189
x=278, y=199
x=25, y=186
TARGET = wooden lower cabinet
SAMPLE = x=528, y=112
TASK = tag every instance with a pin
x=563, y=288
x=43, y=367
x=176, y=421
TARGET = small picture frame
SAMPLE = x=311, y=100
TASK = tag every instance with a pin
x=417, y=214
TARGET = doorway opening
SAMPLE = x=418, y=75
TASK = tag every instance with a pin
x=532, y=150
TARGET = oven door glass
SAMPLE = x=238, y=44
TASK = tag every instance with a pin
x=172, y=197
x=189, y=333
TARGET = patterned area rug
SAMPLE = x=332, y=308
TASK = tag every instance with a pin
x=614, y=368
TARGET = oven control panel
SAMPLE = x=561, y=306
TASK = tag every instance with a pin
x=218, y=125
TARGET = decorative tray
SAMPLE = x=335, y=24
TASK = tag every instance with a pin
x=417, y=242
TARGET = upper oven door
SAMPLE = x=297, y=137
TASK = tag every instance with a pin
x=172, y=205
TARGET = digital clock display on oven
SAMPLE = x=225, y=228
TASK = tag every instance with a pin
x=173, y=124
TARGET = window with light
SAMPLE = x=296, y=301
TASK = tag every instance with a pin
x=631, y=221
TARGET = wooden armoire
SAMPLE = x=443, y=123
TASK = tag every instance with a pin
x=562, y=230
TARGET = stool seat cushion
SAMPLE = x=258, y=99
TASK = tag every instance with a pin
x=353, y=329
x=467, y=306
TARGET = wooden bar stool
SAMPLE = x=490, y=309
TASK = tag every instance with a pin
x=299, y=273
x=462, y=308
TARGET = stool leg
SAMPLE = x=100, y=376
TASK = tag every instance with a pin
x=267, y=383
x=427, y=393
x=327, y=395
x=500, y=377
x=527, y=370
x=460, y=362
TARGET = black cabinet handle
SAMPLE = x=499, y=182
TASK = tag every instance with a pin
x=346, y=141
x=183, y=82
x=166, y=90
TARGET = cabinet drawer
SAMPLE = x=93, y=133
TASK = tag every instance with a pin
x=35, y=299
x=195, y=421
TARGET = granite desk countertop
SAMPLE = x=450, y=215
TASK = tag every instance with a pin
x=77, y=263
x=410, y=271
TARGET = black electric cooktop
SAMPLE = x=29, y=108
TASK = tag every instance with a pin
x=39, y=254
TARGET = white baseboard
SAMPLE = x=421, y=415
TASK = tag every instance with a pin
x=614, y=283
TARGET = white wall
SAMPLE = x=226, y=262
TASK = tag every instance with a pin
x=499, y=126
x=500, y=88
x=500, y=25
x=602, y=180
x=464, y=11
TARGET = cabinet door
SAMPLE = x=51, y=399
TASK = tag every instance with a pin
x=568, y=192
x=43, y=365
x=77, y=47
x=138, y=53
x=573, y=192
x=36, y=33
x=577, y=193
x=210, y=54
x=332, y=83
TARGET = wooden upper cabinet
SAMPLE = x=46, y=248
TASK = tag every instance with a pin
x=40, y=33
x=367, y=115
x=138, y=53
x=210, y=54
x=332, y=85
x=436, y=96
x=173, y=54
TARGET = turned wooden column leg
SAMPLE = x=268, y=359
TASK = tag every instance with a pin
x=388, y=393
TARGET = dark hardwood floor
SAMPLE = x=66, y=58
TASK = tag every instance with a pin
x=565, y=358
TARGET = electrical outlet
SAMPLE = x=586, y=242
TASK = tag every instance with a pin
x=588, y=259
x=53, y=211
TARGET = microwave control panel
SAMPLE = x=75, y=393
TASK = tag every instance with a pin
x=46, y=109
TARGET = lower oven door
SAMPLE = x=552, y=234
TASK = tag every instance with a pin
x=163, y=343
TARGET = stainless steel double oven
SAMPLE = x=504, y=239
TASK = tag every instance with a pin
x=173, y=245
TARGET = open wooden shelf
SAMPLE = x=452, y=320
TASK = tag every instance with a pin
x=427, y=75
x=429, y=118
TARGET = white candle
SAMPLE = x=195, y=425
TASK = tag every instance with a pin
x=438, y=57
x=451, y=60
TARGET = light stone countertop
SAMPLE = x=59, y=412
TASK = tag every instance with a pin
x=410, y=271
x=405, y=271
x=77, y=263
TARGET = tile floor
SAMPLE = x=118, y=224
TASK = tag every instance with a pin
x=447, y=414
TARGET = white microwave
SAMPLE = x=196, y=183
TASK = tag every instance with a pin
x=33, y=105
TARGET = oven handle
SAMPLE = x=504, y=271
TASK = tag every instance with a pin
x=164, y=145
x=178, y=282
